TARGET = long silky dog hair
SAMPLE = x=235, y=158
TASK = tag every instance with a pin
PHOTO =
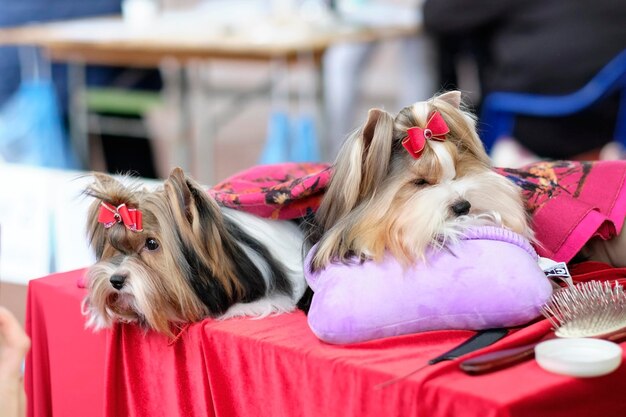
x=385, y=197
x=173, y=255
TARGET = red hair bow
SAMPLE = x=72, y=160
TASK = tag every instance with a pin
x=110, y=215
x=436, y=128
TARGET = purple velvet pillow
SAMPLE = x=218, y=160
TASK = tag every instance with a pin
x=489, y=279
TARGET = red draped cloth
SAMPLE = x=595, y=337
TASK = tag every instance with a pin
x=571, y=202
x=277, y=367
x=65, y=365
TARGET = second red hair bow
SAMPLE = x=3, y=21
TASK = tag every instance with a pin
x=435, y=129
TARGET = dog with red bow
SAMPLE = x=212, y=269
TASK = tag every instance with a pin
x=172, y=255
x=409, y=182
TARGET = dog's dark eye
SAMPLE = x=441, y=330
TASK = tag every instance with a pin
x=421, y=182
x=152, y=244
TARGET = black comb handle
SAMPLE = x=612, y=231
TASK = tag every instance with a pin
x=480, y=340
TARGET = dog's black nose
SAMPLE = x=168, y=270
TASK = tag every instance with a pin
x=461, y=208
x=117, y=280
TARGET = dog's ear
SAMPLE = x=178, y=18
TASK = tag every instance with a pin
x=95, y=231
x=359, y=168
x=196, y=214
x=190, y=202
x=462, y=125
x=202, y=231
x=453, y=98
x=377, y=140
x=179, y=195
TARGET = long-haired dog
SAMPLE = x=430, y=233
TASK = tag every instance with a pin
x=411, y=182
x=173, y=255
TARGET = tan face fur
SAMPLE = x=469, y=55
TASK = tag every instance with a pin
x=152, y=276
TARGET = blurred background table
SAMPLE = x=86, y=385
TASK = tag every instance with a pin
x=182, y=44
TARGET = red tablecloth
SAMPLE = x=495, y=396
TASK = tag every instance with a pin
x=276, y=367
x=65, y=366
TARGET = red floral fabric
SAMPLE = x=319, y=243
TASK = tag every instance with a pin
x=569, y=202
x=281, y=191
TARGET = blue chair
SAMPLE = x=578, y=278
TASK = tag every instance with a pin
x=500, y=108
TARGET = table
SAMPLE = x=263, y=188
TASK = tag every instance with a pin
x=276, y=367
x=186, y=40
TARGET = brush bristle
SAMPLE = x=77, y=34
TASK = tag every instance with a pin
x=590, y=309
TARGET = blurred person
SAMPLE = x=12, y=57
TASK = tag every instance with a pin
x=549, y=47
x=344, y=66
x=14, y=344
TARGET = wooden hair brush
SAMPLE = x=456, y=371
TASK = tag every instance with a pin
x=591, y=309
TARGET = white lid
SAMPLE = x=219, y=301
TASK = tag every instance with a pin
x=581, y=357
